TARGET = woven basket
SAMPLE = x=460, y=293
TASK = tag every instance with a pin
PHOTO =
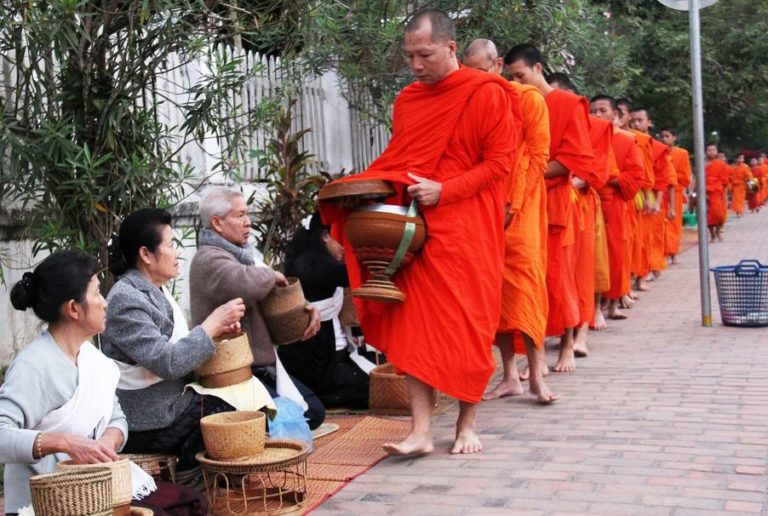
x=121, y=477
x=157, y=465
x=234, y=435
x=283, y=299
x=73, y=493
x=289, y=327
x=217, y=380
x=232, y=352
x=388, y=393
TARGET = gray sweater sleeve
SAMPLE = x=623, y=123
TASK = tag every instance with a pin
x=130, y=328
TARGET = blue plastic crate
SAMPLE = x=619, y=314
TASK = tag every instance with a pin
x=742, y=292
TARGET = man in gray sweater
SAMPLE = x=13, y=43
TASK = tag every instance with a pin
x=225, y=267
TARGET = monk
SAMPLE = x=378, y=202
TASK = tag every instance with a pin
x=681, y=162
x=741, y=174
x=753, y=196
x=618, y=200
x=636, y=249
x=524, y=304
x=587, y=263
x=716, y=175
x=654, y=222
x=453, y=141
x=570, y=169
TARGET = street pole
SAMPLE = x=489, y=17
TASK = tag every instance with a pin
x=698, y=147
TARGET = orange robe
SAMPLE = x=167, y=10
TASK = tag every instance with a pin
x=461, y=132
x=741, y=174
x=641, y=238
x=753, y=198
x=682, y=164
x=569, y=145
x=716, y=175
x=618, y=199
x=600, y=136
x=662, y=171
x=524, y=303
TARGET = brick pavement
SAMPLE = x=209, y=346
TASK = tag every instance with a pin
x=665, y=417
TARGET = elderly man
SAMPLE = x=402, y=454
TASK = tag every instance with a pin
x=454, y=136
x=225, y=267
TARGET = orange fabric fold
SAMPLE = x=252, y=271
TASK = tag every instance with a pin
x=461, y=132
x=716, y=175
x=682, y=165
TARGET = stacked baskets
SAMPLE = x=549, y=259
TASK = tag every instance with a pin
x=121, y=481
x=742, y=292
x=234, y=436
x=230, y=364
x=284, y=311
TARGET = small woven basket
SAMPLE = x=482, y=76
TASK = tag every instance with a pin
x=234, y=435
x=388, y=393
x=232, y=352
x=289, y=327
x=122, y=490
x=227, y=379
x=283, y=299
x=73, y=493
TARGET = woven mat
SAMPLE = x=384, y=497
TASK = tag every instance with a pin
x=349, y=452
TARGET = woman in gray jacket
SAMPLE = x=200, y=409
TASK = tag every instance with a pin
x=148, y=337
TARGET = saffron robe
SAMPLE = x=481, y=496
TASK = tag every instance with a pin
x=524, y=303
x=741, y=174
x=462, y=133
x=641, y=240
x=662, y=171
x=570, y=146
x=716, y=175
x=682, y=164
x=618, y=200
x=753, y=198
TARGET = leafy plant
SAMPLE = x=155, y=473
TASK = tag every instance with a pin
x=291, y=187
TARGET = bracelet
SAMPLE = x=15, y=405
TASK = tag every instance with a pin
x=38, y=446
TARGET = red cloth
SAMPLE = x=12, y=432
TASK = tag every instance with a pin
x=569, y=145
x=682, y=163
x=461, y=132
x=716, y=175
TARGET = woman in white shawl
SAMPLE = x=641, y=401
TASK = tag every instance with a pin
x=58, y=399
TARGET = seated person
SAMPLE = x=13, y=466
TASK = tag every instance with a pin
x=224, y=267
x=156, y=352
x=325, y=363
x=58, y=399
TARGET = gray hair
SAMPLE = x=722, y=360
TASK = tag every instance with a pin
x=476, y=46
x=216, y=203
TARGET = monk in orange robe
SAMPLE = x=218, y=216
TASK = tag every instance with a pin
x=618, y=198
x=453, y=141
x=716, y=175
x=682, y=164
x=741, y=174
x=524, y=303
x=571, y=160
x=641, y=263
x=753, y=195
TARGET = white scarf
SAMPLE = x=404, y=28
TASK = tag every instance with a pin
x=134, y=377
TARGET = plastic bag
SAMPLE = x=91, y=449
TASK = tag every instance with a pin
x=290, y=423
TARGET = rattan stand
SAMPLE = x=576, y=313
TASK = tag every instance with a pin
x=273, y=482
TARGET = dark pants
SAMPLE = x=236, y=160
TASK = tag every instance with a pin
x=183, y=437
x=315, y=412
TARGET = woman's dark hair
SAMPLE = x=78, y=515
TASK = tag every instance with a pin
x=307, y=240
x=142, y=228
x=57, y=279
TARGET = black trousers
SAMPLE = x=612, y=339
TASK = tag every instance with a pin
x=182, y=437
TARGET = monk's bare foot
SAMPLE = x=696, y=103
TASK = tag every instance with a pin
x=600, y=323
x=580, y=348
x=526, y=374
x=543, y=395
x=414, y=445
x=566, y=362
x=642, y=287
x=504, y=389
x=467, y=441
x=616, y=315
x=674, y=260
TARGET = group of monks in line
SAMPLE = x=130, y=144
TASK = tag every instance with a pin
x=545, y=212
x=606, y=219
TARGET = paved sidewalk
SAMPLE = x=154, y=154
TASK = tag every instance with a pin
x=664, y=417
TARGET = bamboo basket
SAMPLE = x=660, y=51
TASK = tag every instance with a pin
x=284, y=313
x=230, y=364
x=122, y=491
x=388, y=393
x=73, y=493
x=234, y=435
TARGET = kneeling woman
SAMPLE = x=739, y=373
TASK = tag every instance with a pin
x=148, y=337
x=58, y=398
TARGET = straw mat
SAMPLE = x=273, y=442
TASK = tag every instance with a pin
x=347, y=453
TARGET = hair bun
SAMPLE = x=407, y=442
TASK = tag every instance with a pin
x=24, y=293
x=117, y=262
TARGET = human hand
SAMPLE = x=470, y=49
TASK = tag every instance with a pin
x=87, y=451
x=578, y=183
x=314, y=322
x=671, y=214
x=280, y=279
x=426, y=192
x=224, y=318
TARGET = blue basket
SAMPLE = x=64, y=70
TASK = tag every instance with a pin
x=742, y=291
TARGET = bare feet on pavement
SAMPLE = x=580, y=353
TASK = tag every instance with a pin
x=467, y=441
x=600, y=324
x=505, y=388
x=414, y=445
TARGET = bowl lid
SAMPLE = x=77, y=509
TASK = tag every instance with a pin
x=363, y=189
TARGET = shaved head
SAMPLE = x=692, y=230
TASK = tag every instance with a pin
x=482, y=54
x=442, y=27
